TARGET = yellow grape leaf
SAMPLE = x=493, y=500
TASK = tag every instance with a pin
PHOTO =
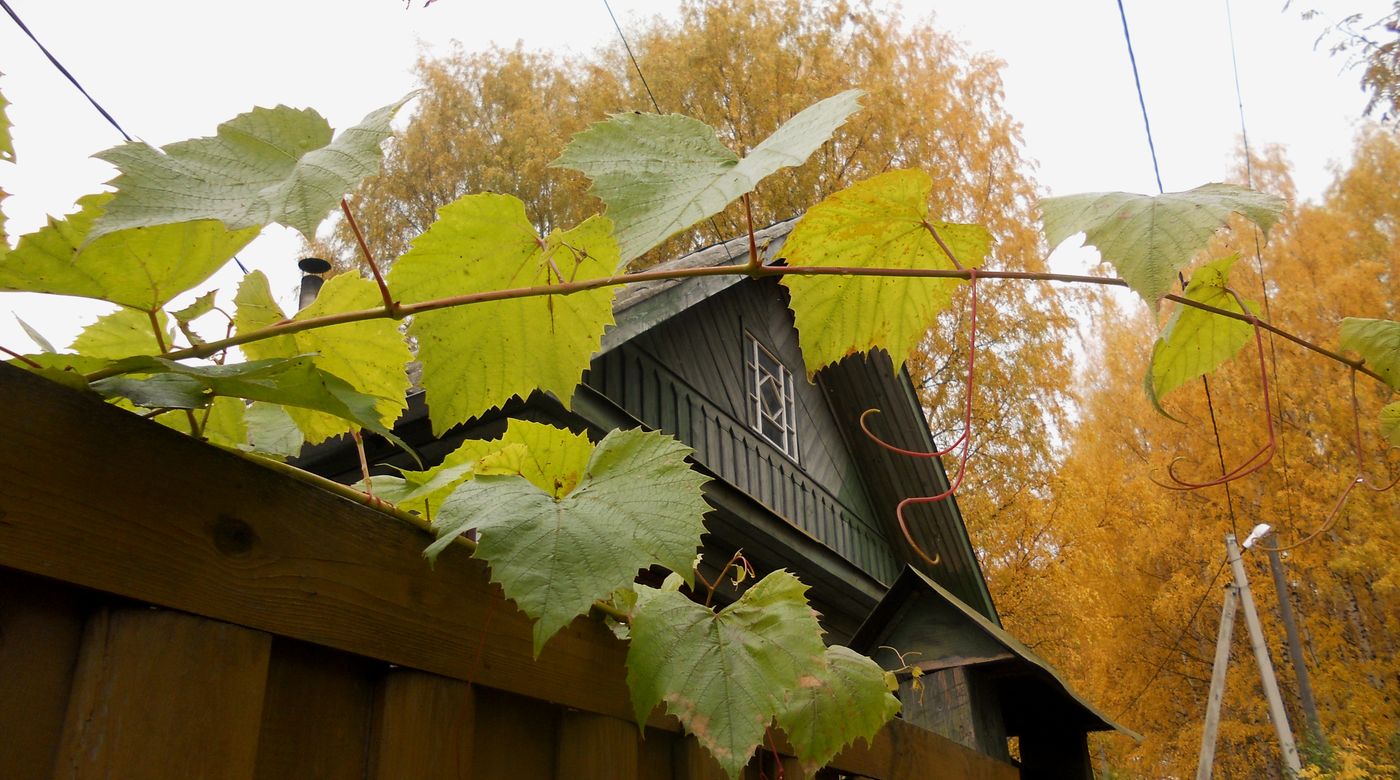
x=371, y=355
x=1194, y=342
x=478, y=356
x=878, y=223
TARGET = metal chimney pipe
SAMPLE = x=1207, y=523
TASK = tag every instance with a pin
x=311, y=280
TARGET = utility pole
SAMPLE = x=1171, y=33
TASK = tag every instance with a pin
x=1261, y=654
x=1217, y=682
x=1295, y=649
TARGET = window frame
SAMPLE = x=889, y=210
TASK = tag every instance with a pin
x=755, y=373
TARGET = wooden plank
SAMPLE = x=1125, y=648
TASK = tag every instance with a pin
x=692, y=762
x=424, y=727
x=902, y=751
x=596, y=747
x=252, y=547
x=161, y=694
x=41, y=626
x=516, y=740
x=316, y=713
x=656, y=760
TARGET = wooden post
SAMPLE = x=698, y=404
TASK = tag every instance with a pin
x=1217, y=682
x=1261, y=654
x=596, y=746
x=1295, y=650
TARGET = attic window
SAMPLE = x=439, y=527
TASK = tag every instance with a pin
x=771, y=409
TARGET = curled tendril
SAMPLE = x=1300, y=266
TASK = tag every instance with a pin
x=964, y=440
x=1253, y=463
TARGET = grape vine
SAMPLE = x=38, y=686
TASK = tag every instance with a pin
x=498, y=311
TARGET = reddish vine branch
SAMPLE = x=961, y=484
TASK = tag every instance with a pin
x=390, y=305
x=401, y=310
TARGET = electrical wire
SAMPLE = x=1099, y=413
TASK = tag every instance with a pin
x=66, y=74
x=1210, y=588
x=78, y=85
x=719, y=236
x=1137, y=82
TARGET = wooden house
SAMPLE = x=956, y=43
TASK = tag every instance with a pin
x=715, y=362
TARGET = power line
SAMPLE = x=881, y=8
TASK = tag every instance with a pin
x=630, y=56
x=1127, y=38
x=71, y=79
x=1210, y=588
x=719, y=235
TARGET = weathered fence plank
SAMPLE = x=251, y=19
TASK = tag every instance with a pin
x=515, y=737
x=596, y=747
x=316, y=714
x=41, y=623
x=424, y=727
x=161, y=694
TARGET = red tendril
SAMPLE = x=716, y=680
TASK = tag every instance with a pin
x=964, y=440
x=1253, y=463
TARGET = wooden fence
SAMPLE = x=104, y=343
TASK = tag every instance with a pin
x=170, y=610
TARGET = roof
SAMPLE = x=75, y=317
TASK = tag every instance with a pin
x=851, y=386
x=921, y=617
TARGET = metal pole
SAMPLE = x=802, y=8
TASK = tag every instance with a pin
x=1266, y=667
x=1217, y=682
x=1295, y=650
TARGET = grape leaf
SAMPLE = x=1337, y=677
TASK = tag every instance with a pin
x=123, y=333
x=1377, y=342
x=1194, y=343
x=847, y=699
x=271, y=431
x=268, y=165
x=35, y=336
x=479, y=356
x=143, y=268
x=538, y=452
x=636, y=504
x=7, y=141
x=295, y=382
x=370, y=355
x=877, y=222
x=224, y=424
x=724, y=675
x=1390, y=423
x=1149, y=238
x=201, y=306
x=659, y=175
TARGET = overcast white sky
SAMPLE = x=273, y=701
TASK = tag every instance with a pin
x=169, y=71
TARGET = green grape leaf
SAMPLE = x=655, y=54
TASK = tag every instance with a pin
x=268, y=165
x=201, y=306
x=1377, y=342
x=271, y=431
x=35, y=336
x=1390, y=423
x=123, y=333
x=659, y=175
x=1194, y=342
x=846, y=700
x=295, y=382
x=370, y=355
x=224, y=424
x=479, y=356
x=550, y=460
x=142, y=268
x=637, y=503
x=879, y=222
x=1149, y=238
x=724, y=675
x=65, y=368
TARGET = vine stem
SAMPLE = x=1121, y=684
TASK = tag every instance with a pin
x=21, y=358
x=390, y=305
x=401, y=310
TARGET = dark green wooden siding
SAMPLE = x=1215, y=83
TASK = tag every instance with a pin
x=687, y=377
